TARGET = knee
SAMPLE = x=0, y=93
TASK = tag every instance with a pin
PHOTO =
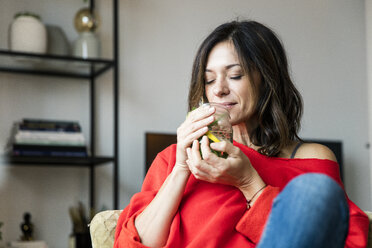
x=316, y=182
x=317, y=186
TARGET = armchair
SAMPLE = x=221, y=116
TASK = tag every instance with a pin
x=102, y=228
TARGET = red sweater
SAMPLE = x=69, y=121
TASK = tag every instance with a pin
x=216, y=215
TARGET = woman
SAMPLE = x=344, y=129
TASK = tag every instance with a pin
x=194, y=200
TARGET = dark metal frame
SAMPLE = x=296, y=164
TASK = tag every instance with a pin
x=95, y=68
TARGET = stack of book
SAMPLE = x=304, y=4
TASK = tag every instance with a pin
x=34, y=137
x=28, y=244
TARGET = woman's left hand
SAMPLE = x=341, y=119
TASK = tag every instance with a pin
x=235, y=170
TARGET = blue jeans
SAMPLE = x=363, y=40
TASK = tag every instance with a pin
x=311, y=211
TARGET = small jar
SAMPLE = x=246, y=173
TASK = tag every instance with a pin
x=220, y=127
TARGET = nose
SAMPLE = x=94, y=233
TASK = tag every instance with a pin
x=221, y=87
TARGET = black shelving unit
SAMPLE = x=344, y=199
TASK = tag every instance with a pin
x=53, y=65
x=78, y=68
x=64, y=161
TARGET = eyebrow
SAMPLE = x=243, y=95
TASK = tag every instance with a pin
x=226, y=67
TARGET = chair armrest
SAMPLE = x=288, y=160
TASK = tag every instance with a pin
x=103, y=225
x=369, y=214
x=102, y=228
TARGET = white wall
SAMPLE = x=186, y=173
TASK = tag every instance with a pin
x=368, y=9
x=325, y=41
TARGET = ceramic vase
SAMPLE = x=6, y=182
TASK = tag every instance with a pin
x=27, y=34
x=87, y=45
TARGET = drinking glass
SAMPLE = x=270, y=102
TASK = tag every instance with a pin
x=220, y=129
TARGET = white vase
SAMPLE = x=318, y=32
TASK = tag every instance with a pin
x=27, y=34
x=87, y=45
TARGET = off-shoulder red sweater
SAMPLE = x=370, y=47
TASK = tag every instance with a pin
x=216, y=215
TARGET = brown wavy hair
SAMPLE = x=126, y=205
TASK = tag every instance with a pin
x=279, y=107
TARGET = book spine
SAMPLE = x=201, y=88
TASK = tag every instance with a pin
x=44, y=125
x=49, y=148
x=31, y=120
x=48, y=142
x=50, y=128
x=40, y=137
x=49, y=153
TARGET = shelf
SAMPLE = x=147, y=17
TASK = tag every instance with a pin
x=52, y=65
x=78, y=68
x=65, y=161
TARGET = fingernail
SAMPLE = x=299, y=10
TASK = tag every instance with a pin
x=205, y=106
x=211, y=110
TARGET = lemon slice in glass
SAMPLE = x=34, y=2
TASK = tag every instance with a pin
x=212, y=137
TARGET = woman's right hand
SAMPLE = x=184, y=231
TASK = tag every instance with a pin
x=194, y=127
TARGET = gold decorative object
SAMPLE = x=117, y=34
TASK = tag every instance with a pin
x=87, y=45
x=86, y=21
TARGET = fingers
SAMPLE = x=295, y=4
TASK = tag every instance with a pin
x=195, y=125
x=198, y=120
x=227, y=147
x=193, y=152
x=198, y=166
x=235, y=170
x=206, y=150
x=191, y=136
x=201, y=113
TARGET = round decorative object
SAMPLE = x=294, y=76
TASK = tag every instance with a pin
x=27, y=34
x=86, y=21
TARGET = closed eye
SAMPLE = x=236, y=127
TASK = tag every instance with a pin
x=209, y=82
x=236, y=77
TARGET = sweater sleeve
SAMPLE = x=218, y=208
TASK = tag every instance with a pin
x=358, y=227
x=126, y=234
x=253, y=221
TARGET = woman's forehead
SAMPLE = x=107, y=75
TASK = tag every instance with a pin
x=223, y=55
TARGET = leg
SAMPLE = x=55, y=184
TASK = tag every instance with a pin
x=311, y=211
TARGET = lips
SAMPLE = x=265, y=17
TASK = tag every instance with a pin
x=228, y=105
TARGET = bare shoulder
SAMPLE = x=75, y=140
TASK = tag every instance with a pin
x=314, y=150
